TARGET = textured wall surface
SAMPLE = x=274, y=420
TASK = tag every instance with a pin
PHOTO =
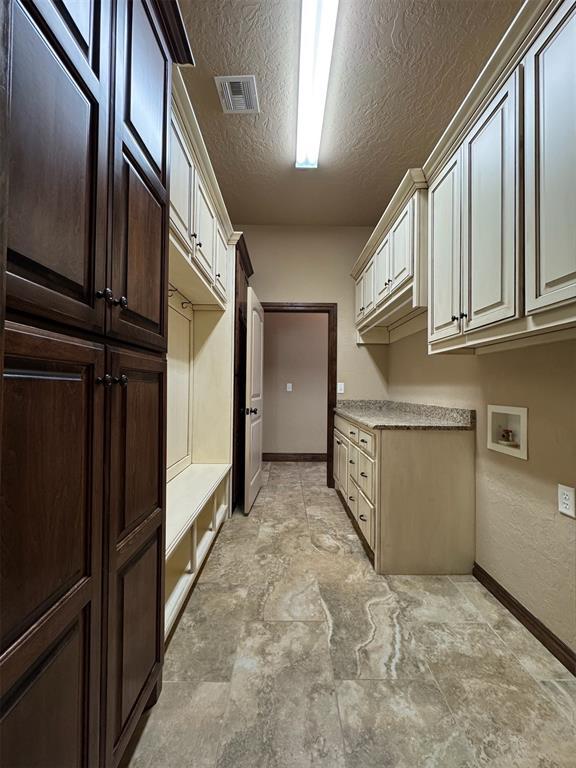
x=521, y=538
x=313, y=264
x=399, y=72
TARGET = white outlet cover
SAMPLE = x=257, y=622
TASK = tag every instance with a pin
x=340, y=388
x=566, y=500
x=288, y=387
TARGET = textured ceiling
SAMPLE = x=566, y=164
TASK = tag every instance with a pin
x=400, y=70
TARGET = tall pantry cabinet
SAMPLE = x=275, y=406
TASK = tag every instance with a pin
x=83, y=430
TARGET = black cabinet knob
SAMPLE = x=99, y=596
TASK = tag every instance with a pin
x=363, y=441
x=352, y=462
x=106, y=294
x=351, y=498
x=362, y=518
x=338, y=442
x=462, y=315
x=105, y=380
x=199, y=245
x=454, y=317
x=218, y=274
x=122, y=380
x=363, y=474
x=194, y=235
x=254, y=410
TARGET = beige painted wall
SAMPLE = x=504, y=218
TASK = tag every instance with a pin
x=295, y=351
x=313, y=264
x=521, y=538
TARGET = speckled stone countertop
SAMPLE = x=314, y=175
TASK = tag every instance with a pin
x=391, y=414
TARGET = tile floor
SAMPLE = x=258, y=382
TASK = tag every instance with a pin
x=292, y=653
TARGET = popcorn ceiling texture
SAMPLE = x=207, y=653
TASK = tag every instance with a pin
x=399, y=72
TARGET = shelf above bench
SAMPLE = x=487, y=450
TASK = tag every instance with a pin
x=186, y=495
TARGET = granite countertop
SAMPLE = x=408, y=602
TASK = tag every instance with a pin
x=391, y=414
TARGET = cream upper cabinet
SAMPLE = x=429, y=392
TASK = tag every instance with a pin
x=182, y=181
x=550, y=163
x=381, y=268
x=368, y=288
x=359, y=298
x=205, y=228
x=220, y=276
x=489, y=210
x=401, y=258
x=444, y=209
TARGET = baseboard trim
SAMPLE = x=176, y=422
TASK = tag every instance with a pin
x=557, y=647
x=294, y=457
x=369, y=553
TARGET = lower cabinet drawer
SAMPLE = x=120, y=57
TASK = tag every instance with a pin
x=365, y=519
x=366, y=442
x=353, y=462
x=352, y=499
x=366, y=475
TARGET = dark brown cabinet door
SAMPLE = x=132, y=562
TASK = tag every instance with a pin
x=138, y=269
x=135, y=623
x=58, y=163
x=50, y=568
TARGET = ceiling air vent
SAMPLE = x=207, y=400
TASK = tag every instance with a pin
x=238, y=94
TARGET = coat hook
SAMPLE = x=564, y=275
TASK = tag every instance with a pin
x=185, y=304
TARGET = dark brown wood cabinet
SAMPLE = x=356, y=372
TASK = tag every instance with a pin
x=84, y=419
x=51, y=535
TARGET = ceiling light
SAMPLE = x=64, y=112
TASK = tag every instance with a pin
x=316, y=41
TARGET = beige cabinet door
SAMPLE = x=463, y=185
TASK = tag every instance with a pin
x=182, y=181
x=336, y=455
x=343, y=467
x=550, y=161
x=359, y=298
x=220, y=275
x=489, y=212
x=444, y=213
x=368, y=287
x=254, y=399
x=365, y=519
x=381, y=271
x=205, y=230
x=402, y=248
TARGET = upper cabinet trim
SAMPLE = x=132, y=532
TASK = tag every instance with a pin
x=175, y=31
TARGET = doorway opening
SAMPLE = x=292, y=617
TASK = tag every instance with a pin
x=300, y=348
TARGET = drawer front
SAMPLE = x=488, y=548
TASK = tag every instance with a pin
x=352, y=499
x=353, y=461
x=366, y=475
x=366, y=442
x=348, y=429
x=365, y=518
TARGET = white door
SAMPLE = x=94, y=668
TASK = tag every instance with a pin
x=254, y=382
x=489, y=246
x=402, y=247
x=550, y=160
x=444, y=201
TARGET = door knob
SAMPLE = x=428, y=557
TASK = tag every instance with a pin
x=254, y=410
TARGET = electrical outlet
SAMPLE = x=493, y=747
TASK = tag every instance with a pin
x=288, y=387
x=566, y=503
x=340, y=388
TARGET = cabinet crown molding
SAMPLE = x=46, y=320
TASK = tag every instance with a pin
x=413, y=180
x=188, y=122
x=527, y=24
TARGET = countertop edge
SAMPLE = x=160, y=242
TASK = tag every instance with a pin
x=413, y=427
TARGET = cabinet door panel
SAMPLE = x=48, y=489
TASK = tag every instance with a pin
x=138, y=269
x=489, y=242
x=135, y=550
x=181, y=183
x=205, y=230
x=444, y=201
x=402, y=248
x=550, y=159
x=50, y=570
x=359, y=298
x=368, y=288
x=220, y=276
x=381, y=271
x=58, y=168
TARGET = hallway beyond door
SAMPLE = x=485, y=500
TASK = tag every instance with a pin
x=293, y=653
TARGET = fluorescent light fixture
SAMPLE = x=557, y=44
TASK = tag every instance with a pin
x=317, y=29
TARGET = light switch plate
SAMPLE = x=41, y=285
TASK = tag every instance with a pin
x=289, y=387
x=340, y=388
x=566, y=502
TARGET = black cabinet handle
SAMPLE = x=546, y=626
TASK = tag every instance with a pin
x=352, y=462
x=254, y=410
x=122, y=301
x=338, y=442
x=105, y=380
x=363, y=474
x=199, y=245
x=122, y=380
x=363, y=441
x=351, y=498
x=194, y=235
x=454, y=317
x=462, y=315
x=218, y=274
x=106, y=294
x=362, y=518
x=352, y=433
